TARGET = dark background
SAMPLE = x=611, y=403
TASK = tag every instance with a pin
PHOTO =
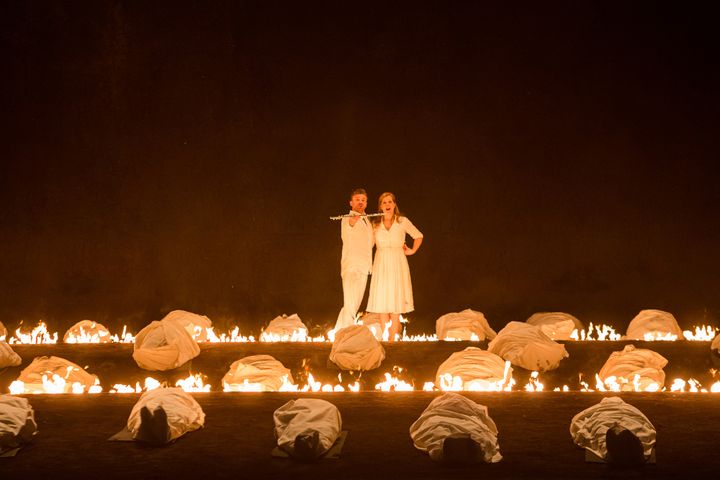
x=163, y=155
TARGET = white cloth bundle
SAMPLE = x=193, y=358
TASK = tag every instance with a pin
x=463, y=325
x=303, y=416
x=556, y=325
x=452, y=413
x=478, y=369
x=68, y=372
x=356, y=348
x=164, y=345
x=184, y=414
x=654, y=323
x=372, y=321
x=87, y=329
x=283, y=328
x=196, y=325
x=715, y=345
x=3, y=332
x=528, y=347
x=258, y=373
x=589, y=427
x=17, y=422
x=8, y=357
x=631, y=361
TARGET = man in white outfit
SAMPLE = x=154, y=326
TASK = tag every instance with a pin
x=356, y=232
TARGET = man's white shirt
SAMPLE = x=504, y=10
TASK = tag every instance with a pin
x=357, y=244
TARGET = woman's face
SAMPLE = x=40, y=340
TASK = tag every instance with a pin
x=387, y=204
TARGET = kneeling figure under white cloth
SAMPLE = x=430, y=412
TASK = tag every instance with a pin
x=450, y=418
x=307, y=428
x=163, y=415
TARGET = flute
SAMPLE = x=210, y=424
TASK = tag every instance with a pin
x=340, y=217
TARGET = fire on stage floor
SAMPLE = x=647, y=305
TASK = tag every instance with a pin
x=238, y=436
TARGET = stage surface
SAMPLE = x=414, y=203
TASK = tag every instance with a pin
x=238, y=438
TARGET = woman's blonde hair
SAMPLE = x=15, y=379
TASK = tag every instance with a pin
x=397, y=213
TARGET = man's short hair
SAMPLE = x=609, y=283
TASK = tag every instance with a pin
x=358, y=191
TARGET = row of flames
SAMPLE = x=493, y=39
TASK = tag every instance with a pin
x=56, y=384
x=41, y=335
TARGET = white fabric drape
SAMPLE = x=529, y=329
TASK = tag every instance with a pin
x=528, y=347
x=17, y=422
x=462, y=326
x=262, y=371
x=654, y=323
x=556, y=325
x=164, y=345
x=303, y=416
x=87, y=328
x=8, y=357
x=589, y=427
x=450, y=414
x=196, y=325
x=475, y=367
x=184, y=414
x=285, y=328
x=631, y=361
x=355, y=348
x=49, y=366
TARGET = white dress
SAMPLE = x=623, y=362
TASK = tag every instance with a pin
x=390, y=287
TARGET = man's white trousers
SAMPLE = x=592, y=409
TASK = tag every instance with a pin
x=354, y=283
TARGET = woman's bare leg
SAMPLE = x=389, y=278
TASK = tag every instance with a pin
x=394, y=327
x=384, y=319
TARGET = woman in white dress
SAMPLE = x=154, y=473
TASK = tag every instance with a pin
x=390, y=286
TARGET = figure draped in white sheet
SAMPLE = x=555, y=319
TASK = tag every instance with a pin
x=17, y=423
x=454, y=429
x=357, y=237
x=307, y=428
x=614, y=431
x=391, y=287
x=163, y=415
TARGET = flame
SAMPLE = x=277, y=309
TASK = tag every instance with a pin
x=311, y=385
x=39, y=334
x=124, y=337
x=193, y=383
x=603, y=332
x=314, y=386
x=100, y=336
x=419, y=338
x=622, y=384
x=233, y=336
x=659, y=337
x=534, y=384
x=150, y=384
x=299, y=335
x=473, y=338
x=703, y=333
x=394, y=384
x=54, y=384
x=455, y=384
x=565, y=388
x=692, y=385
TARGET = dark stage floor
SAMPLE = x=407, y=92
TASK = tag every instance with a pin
x=238, y=437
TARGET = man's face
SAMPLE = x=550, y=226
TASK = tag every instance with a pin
x=358, y=203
